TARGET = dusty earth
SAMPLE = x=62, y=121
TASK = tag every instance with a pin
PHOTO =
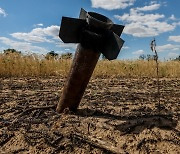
x=115, y=116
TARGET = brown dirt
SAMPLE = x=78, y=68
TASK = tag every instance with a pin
x=115, y=116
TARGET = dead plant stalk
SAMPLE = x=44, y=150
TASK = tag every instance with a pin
x=153, y=48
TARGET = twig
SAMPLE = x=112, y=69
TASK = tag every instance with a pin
x=37, y=108
x=97, y=143
x=31, y=109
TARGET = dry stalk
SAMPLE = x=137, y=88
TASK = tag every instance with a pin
x=153, y=48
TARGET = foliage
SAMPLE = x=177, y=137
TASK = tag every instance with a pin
x=51, y=55
x=177, y=58
x=147, y=57
x=11, y=51
x=142, y=57
x=67, y=55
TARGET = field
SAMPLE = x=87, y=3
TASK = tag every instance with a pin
x=118, y=113
x=15, y=65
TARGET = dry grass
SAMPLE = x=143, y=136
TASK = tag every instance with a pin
x=14, y=65
x=138, y=68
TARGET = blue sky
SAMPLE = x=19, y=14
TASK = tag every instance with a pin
x=33, y=26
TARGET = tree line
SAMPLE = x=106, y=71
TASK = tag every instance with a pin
x=149, y=57
x=49, y=56
x=53, y=55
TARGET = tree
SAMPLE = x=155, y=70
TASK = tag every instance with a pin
x=142, y=57
x=177, y=58
x=151, y=57
x=147, y=57
x=11, y=51
x=51, y=55
x=67, y=55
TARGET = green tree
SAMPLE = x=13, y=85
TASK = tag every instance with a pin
x=177, y=58
x=11, y=51
x=67, y=55
x=51, y=55
x=151, y=57
x=142, y=57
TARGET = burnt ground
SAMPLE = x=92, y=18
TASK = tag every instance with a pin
x=115, y=116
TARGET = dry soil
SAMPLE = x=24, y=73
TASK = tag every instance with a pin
x=116, y=115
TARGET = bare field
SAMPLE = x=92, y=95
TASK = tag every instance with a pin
x=117, y=115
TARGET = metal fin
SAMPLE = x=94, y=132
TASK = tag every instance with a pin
x=83, y=14
x=112, y=46
x=117, y=29
x=70, y=29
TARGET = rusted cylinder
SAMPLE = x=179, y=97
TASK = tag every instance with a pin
x=80, y=73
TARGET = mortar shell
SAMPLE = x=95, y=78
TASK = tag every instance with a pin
x=80, y=73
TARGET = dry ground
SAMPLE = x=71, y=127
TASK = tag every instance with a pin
x=115, y=116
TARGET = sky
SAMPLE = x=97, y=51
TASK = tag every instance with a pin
x=32, y=26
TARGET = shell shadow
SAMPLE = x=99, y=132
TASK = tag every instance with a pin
x=134, y=122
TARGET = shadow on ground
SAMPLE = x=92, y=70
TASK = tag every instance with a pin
x=135, y=123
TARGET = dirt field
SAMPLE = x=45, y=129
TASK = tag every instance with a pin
x=115, y=116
